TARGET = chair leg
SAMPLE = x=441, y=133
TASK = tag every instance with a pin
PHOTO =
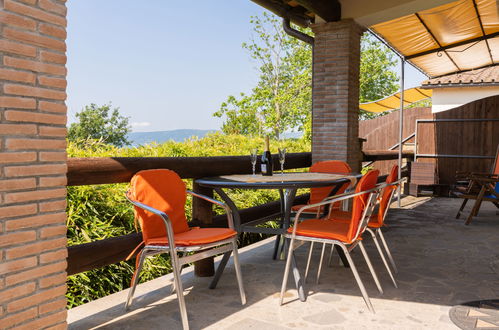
x=382, y=255
x=136, y=274
x=476, y=207
x=286, y=271
x=461, y=208
x=357, y=278
x=308, y=261
x=320, y=263
x=371, y=268
x=387, y=250
x=172, y=291
x=330, y=260
x=239, y=275
x=180, y=289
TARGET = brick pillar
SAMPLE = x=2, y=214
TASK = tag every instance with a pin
x=335, y=125
x=32, y=164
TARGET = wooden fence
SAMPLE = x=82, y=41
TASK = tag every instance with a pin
x=88, y=171
x=383, y=132
x=451, y=143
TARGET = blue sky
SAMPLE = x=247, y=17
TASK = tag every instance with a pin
x=165, y=64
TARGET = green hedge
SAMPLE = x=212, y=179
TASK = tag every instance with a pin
x=101, y=211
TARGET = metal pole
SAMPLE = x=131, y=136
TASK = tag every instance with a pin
x=401, y=125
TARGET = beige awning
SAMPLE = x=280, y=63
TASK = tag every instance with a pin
x=451, y=38
x=392, y=102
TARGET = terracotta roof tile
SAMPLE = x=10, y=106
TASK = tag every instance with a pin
x=488, y=76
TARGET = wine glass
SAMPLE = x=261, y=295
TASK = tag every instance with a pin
x=253, y=158
x=282, y=158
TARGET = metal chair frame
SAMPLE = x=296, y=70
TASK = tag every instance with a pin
x=374, y=232
x=368, y=209
x=203, y=251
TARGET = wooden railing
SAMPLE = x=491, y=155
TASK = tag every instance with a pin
x=90, y=171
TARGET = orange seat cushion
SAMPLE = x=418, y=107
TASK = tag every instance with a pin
x=337, y=230
x=344, y=216
x=196, y=236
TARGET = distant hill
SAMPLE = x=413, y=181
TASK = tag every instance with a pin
x=177, y=135
x=180, y=135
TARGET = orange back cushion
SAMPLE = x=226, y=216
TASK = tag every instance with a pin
x=386, y=193
x=329, y=166
x=163, y=190
x=367, y=182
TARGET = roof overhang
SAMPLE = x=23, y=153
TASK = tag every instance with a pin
x=437, y=36
x=451, y=38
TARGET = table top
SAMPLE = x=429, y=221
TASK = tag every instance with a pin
x=278, y=180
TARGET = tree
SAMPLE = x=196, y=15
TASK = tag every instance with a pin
x=377, y=79
x=281, y=100
x=100, y=123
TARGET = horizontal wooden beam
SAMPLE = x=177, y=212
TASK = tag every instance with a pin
x=108, y=251
x=328, y=10
x=87, y=171
x=283, y=10
x=374, y=155
x=456, y=44
x=101, y=253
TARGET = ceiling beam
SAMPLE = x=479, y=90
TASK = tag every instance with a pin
x=328, y=10
x=295, y=14
x=457, y=44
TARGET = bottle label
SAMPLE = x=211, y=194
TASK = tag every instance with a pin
x=264, y=168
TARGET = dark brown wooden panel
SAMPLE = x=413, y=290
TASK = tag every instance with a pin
x=87, y=171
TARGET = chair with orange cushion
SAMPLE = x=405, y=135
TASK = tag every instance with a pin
x=377, y=219
x=346, y=235
x=159, y=198
x=317, y=195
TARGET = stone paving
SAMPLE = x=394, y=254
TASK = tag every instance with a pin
x=441, y=263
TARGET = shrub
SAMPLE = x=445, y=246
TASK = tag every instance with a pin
x=101, y=211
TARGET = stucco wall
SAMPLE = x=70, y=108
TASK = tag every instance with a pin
x=452, y=97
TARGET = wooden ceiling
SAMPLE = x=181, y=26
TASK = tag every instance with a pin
x=304, y=12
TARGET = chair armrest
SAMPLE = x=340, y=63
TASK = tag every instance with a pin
x=206, y=198
x=163, y=215
x=230, y=219
x=150, y=209
x=491, y=178
x=333, y=199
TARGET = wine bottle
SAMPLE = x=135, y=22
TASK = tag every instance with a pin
x=266, y=161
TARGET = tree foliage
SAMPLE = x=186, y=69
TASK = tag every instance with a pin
x=377, y=79
x=100, y=123
x=281, y=100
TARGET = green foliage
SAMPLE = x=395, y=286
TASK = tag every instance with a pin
x=281, y=100
x=100, y=123
x=377, y=80
x=101, y=211
x=420, y=104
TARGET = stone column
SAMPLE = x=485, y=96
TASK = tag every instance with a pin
x=32, y=164
x=335, y=95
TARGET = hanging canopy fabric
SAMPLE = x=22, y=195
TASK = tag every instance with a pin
x=392, y=102
x=454, y=37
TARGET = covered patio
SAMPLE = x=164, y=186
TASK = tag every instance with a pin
x=441, y=264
